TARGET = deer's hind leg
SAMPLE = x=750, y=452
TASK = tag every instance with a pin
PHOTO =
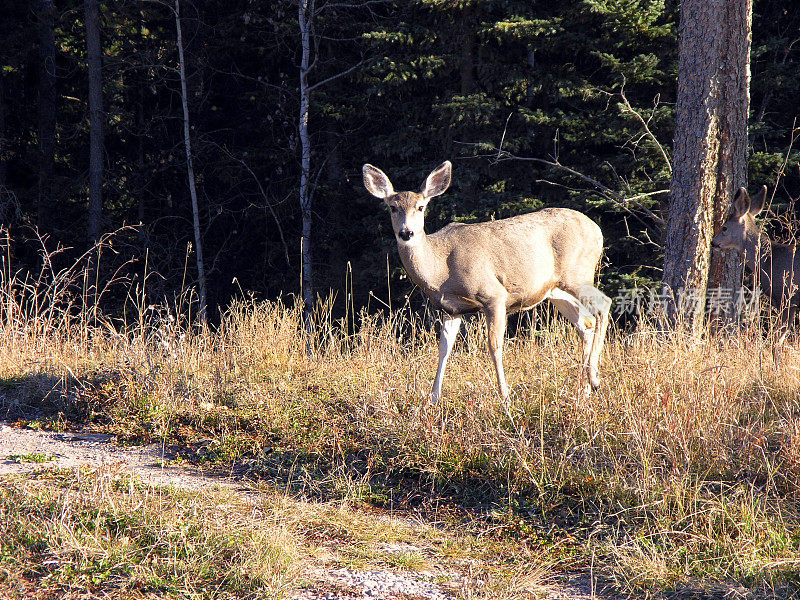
x=496, y=331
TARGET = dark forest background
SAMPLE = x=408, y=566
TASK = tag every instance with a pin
x=402, y=85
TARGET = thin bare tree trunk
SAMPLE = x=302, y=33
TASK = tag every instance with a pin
x=95, y=59
x=3, y=138
x=141, y=177
x=709, y=151
x=140, y=163
x=201, y=276
x=6, y=198
x=47, y=111
x=305, y=14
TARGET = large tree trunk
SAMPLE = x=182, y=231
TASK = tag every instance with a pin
x=305, y=14
x=710, y=150
x=201, y=274
x=94, y=54
x=47, y=110
x=726, y=270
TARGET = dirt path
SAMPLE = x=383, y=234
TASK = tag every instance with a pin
x=23, y=451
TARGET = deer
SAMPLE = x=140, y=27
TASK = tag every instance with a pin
x=498, y=268
x=776, y=266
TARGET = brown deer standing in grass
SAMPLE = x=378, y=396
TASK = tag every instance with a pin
x=776, y=266
x=499, y=267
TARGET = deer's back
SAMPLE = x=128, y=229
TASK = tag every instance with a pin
x=527, y=254
x=780, y=274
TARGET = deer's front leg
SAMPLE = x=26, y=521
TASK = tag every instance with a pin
x=586, y=324
x=447, y=338
x=496, y=330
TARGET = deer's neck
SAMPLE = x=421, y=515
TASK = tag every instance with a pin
x=423, y=264
x=757, y=249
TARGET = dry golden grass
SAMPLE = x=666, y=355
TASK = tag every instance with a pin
x=94, y=534
x=685, y=466
x=88, y=534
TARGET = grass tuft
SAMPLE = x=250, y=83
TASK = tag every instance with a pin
x=88, y=533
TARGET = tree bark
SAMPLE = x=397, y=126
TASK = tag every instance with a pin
x=46, y=111
x=709, y=151
x=95, y=60
x=305, y=15
x=726, y=270
x=201, y=276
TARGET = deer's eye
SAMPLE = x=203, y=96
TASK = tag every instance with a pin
x=724, y=228
x=393, y=208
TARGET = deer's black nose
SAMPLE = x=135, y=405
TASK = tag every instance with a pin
x=405, y=234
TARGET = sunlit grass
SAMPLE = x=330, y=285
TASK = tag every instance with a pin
x=685, y=466
x=88, y=533
x=93, y=533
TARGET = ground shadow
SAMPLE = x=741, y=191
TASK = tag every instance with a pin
x=53, y=403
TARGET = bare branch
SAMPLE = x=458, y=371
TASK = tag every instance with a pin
x=364, y=4
x=342, y=74
x=264, y=195
x=646, y=127
x=503, y=137
x=645, y=195
x=792, y=139
x=617, y=198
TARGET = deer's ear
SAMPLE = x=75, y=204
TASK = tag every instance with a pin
x=376, y=182
x=757, y=203
x=438, y=181
x=741, y=203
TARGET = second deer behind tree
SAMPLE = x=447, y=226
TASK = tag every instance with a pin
x=499, y=267
x=776, y=266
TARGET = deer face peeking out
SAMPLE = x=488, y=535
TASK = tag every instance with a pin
x=776, y=266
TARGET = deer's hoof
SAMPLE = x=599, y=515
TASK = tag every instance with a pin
x=594, y=382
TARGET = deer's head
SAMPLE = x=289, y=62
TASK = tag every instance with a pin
x=740, y=223
x=407, y=208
